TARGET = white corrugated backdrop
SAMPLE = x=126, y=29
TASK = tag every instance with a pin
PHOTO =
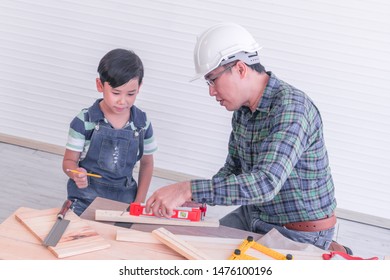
x=336, y=51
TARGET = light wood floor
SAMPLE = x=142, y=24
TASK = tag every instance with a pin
x=31, y=178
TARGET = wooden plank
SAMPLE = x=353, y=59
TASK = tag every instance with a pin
x=119, y=216
x=131, y=235
x=363, y=218
x=179, y=245
x=78, y=238
x=216, y=248
x=106, y=204
x=32, y=144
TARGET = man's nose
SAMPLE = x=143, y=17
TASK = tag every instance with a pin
x=212, y=91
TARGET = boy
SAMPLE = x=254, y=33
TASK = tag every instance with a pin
x=110, y=137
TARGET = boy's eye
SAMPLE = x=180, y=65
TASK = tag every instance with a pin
x=130, y=93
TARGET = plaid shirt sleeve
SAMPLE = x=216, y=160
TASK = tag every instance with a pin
x=232, y=164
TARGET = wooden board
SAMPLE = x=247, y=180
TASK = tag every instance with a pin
x=147, y=237
x=179, y=245
x=214, y=247
x=77, y=239
x=120, y=216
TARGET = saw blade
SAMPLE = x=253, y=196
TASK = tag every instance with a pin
x=59, y=227
x=56, y=232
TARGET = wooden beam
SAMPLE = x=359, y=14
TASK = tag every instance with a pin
x=132, y=235
x=216, y=248
x=362, y=218
x=119, y=216
x=179, y=245
x=32, y=144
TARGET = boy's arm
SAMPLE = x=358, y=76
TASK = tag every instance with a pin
x=70, y=162
x=144, y=177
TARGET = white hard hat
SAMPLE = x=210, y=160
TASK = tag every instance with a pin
x=222, y=43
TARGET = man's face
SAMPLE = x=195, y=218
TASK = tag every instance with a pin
x=223, y=84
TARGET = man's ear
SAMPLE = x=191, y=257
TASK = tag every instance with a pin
x=242, y=68
x=99, y=85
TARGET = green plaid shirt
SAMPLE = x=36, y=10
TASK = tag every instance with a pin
x=277, y=160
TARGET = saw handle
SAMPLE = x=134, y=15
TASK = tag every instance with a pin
x=65, y=207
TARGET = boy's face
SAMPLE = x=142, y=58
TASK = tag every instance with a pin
x=120, y=99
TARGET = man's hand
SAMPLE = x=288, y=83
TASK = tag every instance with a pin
x=164, y=200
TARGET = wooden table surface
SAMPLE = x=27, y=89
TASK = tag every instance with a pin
x=17, y=242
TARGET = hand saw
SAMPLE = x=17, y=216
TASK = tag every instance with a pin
x=181, y=213
x=59, y=227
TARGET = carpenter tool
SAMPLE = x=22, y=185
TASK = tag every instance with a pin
x=239, y=254
x=201, y=206
x=335, y=255
x=192, y=214
x=203, y=210
x=59, y=227
x=88, y=174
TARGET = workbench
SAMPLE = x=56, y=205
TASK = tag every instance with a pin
x=216, y=243
x=16, y=242
x=125, y=241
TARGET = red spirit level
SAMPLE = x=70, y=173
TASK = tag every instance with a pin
x=192, y=214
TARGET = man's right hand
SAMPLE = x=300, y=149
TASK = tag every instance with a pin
x=164, y=200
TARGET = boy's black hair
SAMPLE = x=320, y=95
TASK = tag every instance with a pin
x=119, y=66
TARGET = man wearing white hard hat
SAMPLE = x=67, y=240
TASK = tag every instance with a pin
x=277, y=165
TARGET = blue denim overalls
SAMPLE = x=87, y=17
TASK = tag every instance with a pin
x=112, y=154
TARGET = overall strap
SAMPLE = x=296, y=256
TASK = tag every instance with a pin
x=139, y=120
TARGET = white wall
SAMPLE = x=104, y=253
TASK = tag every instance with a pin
x=336, y=51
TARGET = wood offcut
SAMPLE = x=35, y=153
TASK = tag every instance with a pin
x=78, y=238
x=179, y=245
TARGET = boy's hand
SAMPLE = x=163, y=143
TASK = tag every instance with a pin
x=81, y=180
x=164, y=200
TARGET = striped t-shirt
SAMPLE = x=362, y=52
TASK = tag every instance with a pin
x=83, y=125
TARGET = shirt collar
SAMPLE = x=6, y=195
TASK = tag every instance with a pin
x=269, y=91
x=95, y=113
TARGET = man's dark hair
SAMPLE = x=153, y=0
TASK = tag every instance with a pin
x=119, y=66
x=257, y=67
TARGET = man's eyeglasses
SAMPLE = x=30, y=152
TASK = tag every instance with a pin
x=211, y=81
